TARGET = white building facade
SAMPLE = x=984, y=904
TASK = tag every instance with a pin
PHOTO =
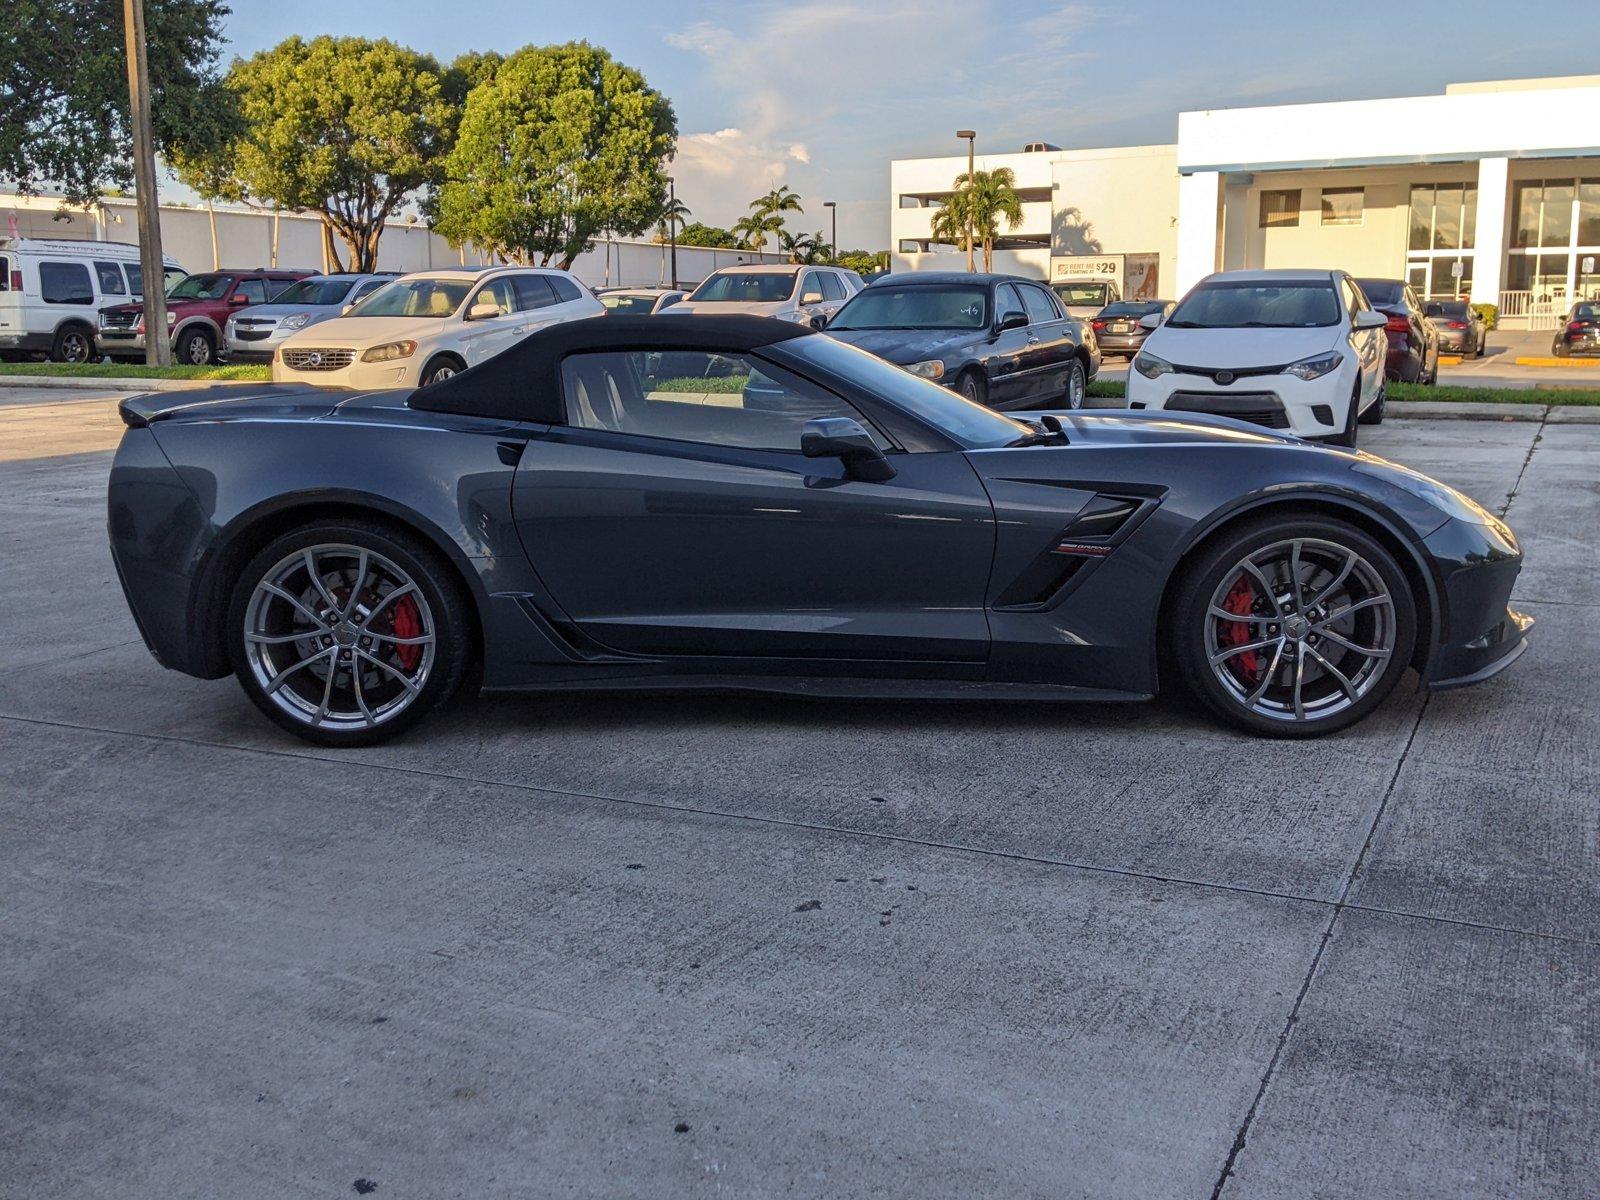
x=1490, y=191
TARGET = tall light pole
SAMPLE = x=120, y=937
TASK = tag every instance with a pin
x=672, y=224
x=972, y=140
x=152, y=264
x=833, y=240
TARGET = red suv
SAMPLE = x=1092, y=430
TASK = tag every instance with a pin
x=198, y=308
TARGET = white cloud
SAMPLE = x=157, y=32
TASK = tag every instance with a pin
x=703, y=37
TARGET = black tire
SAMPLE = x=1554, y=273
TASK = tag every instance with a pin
x=1374, y=413
x=441, y=590
x=73, y=344
x=1347, y=439
x=442, y=366
x=195, y=347
x=973, y=386
x=1560, y=349
x=1199, y=583
x=1076, y=393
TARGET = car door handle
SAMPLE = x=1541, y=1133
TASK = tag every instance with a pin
x=1032, y=340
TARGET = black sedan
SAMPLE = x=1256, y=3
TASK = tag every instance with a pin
x=999, y=340
x=1413, y=355
x=1461, y=328
x=741, y=503
x=1117, y=326
x=1580, y=333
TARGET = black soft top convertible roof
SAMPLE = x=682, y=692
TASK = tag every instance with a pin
x=524, y=382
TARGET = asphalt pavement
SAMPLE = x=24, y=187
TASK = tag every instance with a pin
x=705, y=946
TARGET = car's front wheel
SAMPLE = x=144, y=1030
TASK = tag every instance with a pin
x=347, y=633
x=1293, y=628
x=973, y=386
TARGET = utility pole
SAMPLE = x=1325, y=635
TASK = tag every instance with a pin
x=152, y=263
x=972, y=139
x=833, y=242
x=672, y=224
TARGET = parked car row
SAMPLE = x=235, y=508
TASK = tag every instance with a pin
x=52, y=292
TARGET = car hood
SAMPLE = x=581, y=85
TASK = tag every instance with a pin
x=904, y=346
x=1116, y=427
x=1239, y=347
x=368, y=331
x=730, y=308
x=173, y=306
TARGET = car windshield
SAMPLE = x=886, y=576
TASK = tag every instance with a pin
x=1081, y=295
x=629, y=303
x=316, y=291
x=201, y=287
x=1382, y=291
x=415, y=298
x=1454, y=310
x=746, y=287
x=1586, y=312
x=1133, y=308
x=910, y=306
x=1257, y=305
x=968, y=424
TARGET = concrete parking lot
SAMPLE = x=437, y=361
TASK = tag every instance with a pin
x=650, y=946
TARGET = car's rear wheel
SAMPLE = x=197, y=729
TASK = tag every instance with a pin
x=196, y=348
x=348, y=633
x=1293, y=628
x=73, y=344
x=1077, y=389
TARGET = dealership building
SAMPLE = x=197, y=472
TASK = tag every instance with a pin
x=1490, y=192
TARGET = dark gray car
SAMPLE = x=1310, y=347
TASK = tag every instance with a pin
x=999, y=340
x=603, y=506
x=1461, y=328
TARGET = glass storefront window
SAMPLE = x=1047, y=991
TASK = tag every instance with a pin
x=1469, y=219
x=1525, y=203
x=1555, y=227
x=1421, y=218
x=1443, y=216
x=1589, y=212
x=1447, y=219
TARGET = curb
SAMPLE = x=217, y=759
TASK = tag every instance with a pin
x=105, y=383
x=1460, y=410
x=1547, y=361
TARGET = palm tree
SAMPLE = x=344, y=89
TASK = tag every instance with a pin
x=766, y=216
x=752, y=231
x=992, y=195
x=674, y=216
x=804, y=248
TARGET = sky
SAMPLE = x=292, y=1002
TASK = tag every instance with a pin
x=821, y=94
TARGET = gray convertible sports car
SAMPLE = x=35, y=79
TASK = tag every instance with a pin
x=740, y=503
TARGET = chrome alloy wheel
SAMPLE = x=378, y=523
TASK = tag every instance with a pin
x=1300, y=629
x=339, y=636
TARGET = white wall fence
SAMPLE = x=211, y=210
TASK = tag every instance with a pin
x=203, y=240
x=1542, y=310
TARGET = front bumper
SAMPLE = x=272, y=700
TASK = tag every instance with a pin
x=358, y=375
x=1480, y=633
x=1314, y=408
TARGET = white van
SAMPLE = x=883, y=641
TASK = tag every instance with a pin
x=51, y=291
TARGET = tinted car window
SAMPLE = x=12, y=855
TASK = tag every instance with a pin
x=1586, y=312
x=315, y=292
x=631, y=305
x=1383, y=291
x=110, y=276
x=65, y=283
x=913, y=306
x=534, y=291
x=277, y=287
x=1240, y=304
x=1081, y=295
x=201, y=287
x=367, y=288
x=415, y=298
x=564, y=288
x=832, y=288
x=502, y=293
x=1007, y=301
x=1132, y=308
x=1038, y=305
x=746, y=287
x=694, y=396
x=254, y=291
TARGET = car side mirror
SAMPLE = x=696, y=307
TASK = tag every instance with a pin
x=1011, y=320
x=1370, y=319
x=345, y=311
x=1150, y=321
x=819, y=322
x=483, y=310
x=811, y=298
x=846, y=439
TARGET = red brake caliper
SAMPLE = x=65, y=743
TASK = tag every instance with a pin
x=407, y=624
x=1246, y=667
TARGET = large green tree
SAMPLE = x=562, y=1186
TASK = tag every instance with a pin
x=64, y=89
x=695, y=233
x=344, y=127
x=554, y=146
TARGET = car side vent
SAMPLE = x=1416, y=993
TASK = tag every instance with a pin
x=1101, y=518
x=1045, y=576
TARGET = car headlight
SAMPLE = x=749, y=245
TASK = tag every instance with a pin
x=1316, y=367
x=295, y=320
x=1440, y=495
x=1150, y=366
x=931, y=368
x=389, y=351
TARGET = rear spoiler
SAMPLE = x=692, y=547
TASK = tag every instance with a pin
x=228, y=400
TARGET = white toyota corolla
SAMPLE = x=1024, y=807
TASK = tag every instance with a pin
x=1301, y=351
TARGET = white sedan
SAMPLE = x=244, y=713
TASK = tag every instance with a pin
x=1301, y=351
